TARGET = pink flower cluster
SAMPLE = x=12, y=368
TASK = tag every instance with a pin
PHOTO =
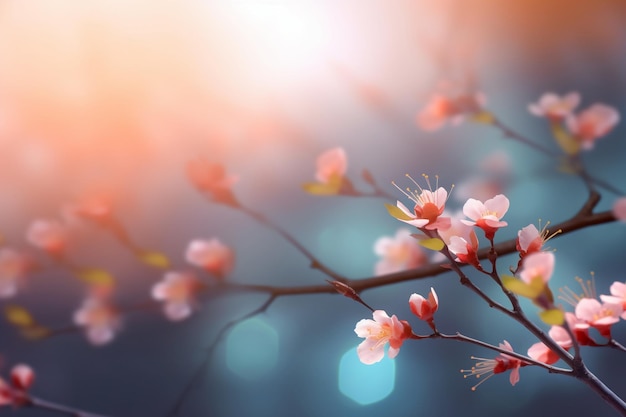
x=450, y=106
x=587, y=126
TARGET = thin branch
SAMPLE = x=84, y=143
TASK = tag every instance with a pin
x=34, y=402
x=198, y=373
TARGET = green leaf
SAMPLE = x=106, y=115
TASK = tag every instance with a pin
x=397, y=212
x=18, y=316
x=483, y=116
x=155, y=259
x=554, y=316
x=519, y=287
x=434, y=243
x=567, y=142
x=95, y=276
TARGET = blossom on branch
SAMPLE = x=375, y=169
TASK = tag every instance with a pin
x=600, y=316
x=22, y=378
x=211, y=255
x=443, y=108
x=497, y=365
x=428, y=209
x=212, y=179
x=537, y=269
x=486, y=215
x=554, y=107
x=330, y=165
x=466, y=252
x=592, y=123
x=177, y=290
x=424, y=308
x=398, y=253
x=49, y=235
x=100, y=319
x=330, y=173
x=377, y=333
x=542, y=353
x=618, y=295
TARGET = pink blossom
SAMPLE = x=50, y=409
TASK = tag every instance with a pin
x=212, y=179
x=177, y=291
x=377, y=333
x=331, y=165
x=49, y=235
x=619, y=209
x=13, y=269
x=211, y=255
x=428, y=209
x=94, y=207
x=487, y=216
x=497, y=365
x=424, y=308
x=555, y=107
x=442, y=108
x=466, y=252
x=580, y=328
x=531, y=240
x=99, y=318
x=542, y=353
x=398, y=253
x=537, y=266
x=600, y=316
x=592, y=123
x=618, y=295
x=22, y=377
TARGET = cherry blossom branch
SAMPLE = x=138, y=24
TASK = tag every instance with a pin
x=465, y=339
x=503, y=248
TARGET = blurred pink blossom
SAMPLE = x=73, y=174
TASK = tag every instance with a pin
x=177, y=291
x=100, y=319
x=555, y=107
x=398, y=253
x=211, y=255
x=331, y=164
x=49, y=235
x=592, y=123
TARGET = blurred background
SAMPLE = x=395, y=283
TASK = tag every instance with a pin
x=121, y=95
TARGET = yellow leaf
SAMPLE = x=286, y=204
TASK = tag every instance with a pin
x=519, y=287
x=554, y=317
x=95, y=276
x=567, y=142
x=397, y=213
x=155, y=259
x=483, y=116
x=434, y=243
x=18, y=316
x=318, y=188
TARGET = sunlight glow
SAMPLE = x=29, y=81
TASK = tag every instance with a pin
x=248, y=360
x=366, y=384
x=283, y=38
